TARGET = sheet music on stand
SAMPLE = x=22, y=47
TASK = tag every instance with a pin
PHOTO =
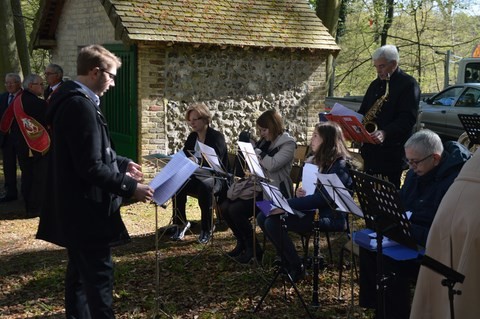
x=211, y=157
x=339, y=194
x=169, y=180
x=471, y=124
x=277, y=199
x=251, y=159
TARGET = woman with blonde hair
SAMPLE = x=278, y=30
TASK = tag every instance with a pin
x=198, y=118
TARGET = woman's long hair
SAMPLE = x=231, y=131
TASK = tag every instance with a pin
x=332, y=147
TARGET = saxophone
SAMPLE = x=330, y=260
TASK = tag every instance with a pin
x=369, y=118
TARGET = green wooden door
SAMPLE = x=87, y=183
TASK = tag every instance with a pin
x=119, y=104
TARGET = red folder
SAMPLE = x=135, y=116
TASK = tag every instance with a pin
x=352, y=128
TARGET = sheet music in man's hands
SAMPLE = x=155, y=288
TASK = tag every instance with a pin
x=339, y=193
x=167, y=182
x=277, y=198
x=251, y=158
x=211, y=157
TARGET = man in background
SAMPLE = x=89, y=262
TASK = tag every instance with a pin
x=31, y=142
x=13, y=84
x=54, y=77
x=395, y=117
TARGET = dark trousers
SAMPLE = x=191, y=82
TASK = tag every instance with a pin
x=272, y=227
x=10, y=166
x=89, y=284
x=397, y=295
x=33, y=182
x=202, y=190
x=237, y=214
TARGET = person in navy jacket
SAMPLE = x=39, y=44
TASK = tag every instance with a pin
x=433, y=168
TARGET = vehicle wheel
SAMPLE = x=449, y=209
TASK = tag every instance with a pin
x=465, y=141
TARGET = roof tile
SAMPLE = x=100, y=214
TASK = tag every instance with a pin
x=265, y=23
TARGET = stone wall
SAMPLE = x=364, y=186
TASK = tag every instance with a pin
x=237, y=85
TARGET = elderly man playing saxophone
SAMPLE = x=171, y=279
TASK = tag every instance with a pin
x=390, y=107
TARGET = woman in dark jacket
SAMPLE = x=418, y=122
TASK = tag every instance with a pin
x=202, y=187
x=330, y=155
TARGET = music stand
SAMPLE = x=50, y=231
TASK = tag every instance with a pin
x=344, y=203
x=258, y=176
x=217, y=172
x=471, y=124
x=384, y=213
x=451, y=278
x=165, y=184
x=279, y=201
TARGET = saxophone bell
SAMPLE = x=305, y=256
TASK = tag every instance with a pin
x=370, y=126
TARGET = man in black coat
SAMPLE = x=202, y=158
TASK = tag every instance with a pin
x=27, y=128
x=86, y=182
x=54, y=78
x=13, y=84
x=395, y=118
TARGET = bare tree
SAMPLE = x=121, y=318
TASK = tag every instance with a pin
x=329, y=11
x=9, y=60
x=21, y=37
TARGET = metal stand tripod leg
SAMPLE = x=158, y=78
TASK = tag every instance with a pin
x=158, y=301
x=283, y=270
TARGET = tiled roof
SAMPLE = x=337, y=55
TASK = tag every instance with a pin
x=259, y=23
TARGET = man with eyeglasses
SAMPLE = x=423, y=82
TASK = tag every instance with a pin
x=392, y=102
x=85, y=186
x=433, y=168
x=13, y=84
x=54, y=78
x=27, y=127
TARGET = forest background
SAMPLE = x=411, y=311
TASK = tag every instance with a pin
x=430, y=34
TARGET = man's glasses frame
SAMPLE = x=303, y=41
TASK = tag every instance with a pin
x=415, y=163
x=111, y=75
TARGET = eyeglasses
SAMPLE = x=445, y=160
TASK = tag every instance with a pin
x=194, y=120
x=111, y=75
x=34, y=83
x=49, y=73
x=415, y=163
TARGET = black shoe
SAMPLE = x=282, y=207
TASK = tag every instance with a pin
x=237, y=251
x=8, y=199
x=204, y=236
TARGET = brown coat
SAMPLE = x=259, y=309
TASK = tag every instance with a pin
x=454, y=240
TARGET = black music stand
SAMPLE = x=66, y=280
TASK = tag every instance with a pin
x=218, y=172
x=384, y=213
x=344, y=202
x=471, y=124
x=280, y=202
x=451, y=278
x=171, y=177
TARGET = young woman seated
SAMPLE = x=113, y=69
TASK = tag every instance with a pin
x=275, y=150
x=330, y=155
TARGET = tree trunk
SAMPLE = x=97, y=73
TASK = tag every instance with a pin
x=21, y=37
x=328, y=11
x=9, y=61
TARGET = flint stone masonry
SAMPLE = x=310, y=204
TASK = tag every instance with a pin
x=237, y=85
